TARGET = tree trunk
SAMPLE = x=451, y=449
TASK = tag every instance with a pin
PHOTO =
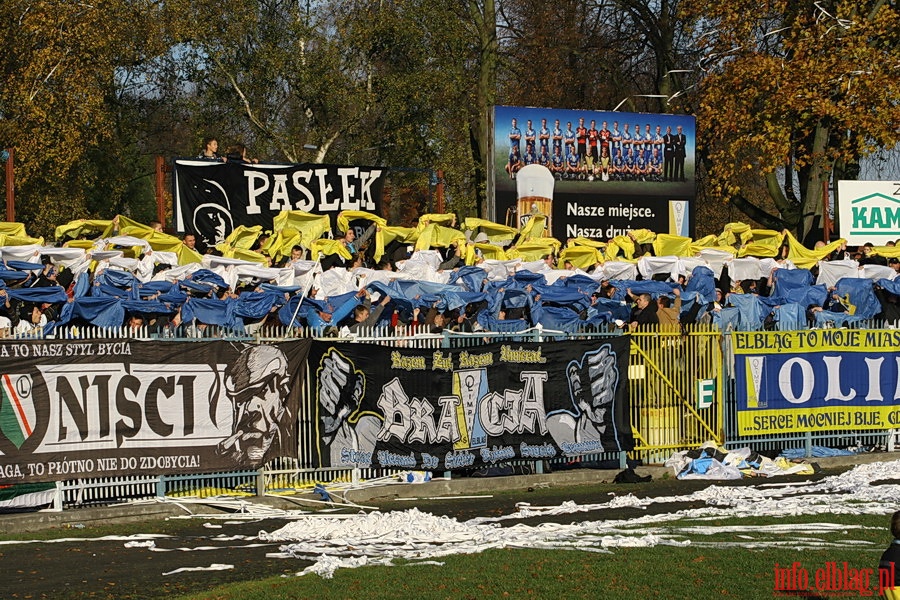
x=819, y=172
x=485, y=93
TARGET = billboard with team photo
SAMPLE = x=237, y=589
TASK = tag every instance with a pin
x=613, y=171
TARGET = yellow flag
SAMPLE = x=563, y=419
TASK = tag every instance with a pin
x=709, y=241
x=535, y=249
x=282, y=242
x=643, y=236
x=83, y=244
x=582, y=257
x=697, y=247
x=805, y=258
x=580, y=241
x=79, y=227
x=130, y=227
x=310, y=226
x=733, y=233
x=445, y=219
x=406, y=235
x=672, y=245
x=486, y=251
x=329, y=247
x=762, y=242
x=15, y=229
x=495, y=232
x=535, y=227
x=248, y=255
x=620, y=244
x=888, y=251
x=20, y=240
x=244, y=237
x=344, y=218
x=438, y=236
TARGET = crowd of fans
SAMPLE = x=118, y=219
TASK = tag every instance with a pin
x=481, y=276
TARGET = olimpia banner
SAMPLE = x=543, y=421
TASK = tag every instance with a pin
x=817, y=380
x=96, y=409
x=212, y=199
x=455, y=409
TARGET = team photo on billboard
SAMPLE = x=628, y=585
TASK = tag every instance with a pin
x=613, y=171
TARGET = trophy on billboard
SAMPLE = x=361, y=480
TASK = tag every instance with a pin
x=534, y=186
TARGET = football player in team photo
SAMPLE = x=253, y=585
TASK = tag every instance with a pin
x=600, y=155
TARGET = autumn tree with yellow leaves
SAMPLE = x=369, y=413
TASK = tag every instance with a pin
x=58, y=70
x=788, y=95
x=793, y=94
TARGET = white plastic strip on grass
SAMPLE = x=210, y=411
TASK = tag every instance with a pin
x=212, y=567
x=209, y=548
x=850, y=492
x=380, y=538
x=104, y=538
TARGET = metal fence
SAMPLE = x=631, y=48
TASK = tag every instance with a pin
x=671, y=373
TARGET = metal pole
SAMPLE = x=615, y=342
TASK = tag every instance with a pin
x=306, y=290
x=10, y=187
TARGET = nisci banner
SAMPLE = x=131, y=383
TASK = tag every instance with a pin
x=95, y=409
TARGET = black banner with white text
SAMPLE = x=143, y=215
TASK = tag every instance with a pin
x=98, y=408
x=456, y=409
x=212, y=199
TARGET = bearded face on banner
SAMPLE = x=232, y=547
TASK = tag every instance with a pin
x=257, y=385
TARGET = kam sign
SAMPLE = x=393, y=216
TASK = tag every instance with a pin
x=869, y=211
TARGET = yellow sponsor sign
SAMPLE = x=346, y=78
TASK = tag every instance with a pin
x=758, y=422
x=815, y=340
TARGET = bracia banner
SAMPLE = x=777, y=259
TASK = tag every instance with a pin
x=817, y=380
x=456, y=409
x=212, y=199
x=95, y=409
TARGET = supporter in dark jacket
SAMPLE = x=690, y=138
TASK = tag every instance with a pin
x=890, y=560
x=644, y=311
